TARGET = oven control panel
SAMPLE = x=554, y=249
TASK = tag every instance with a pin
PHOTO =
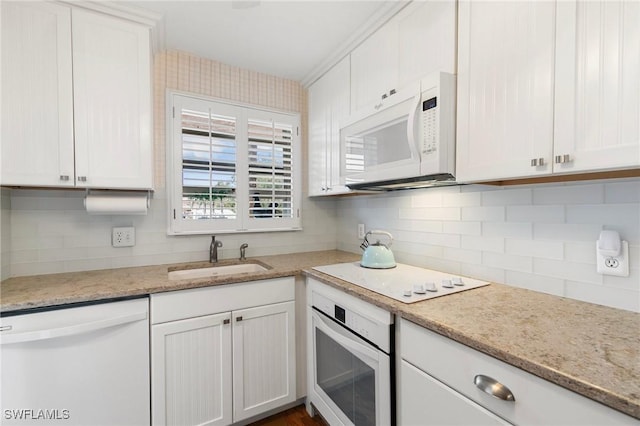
x=352, y=320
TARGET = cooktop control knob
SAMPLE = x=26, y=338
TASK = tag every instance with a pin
x=418, y=289
x=407, y=293
x=447, y=284
x=457, y=281
x=430, y=287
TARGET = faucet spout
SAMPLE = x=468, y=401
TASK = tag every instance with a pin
x=213, y=249
x=243, y=247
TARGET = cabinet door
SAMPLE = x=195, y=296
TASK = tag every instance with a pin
x=329, y=105
x=505, y=89
x=424, y=400
x=112, y=102
x=264, y=368
x=318, y=134
x=374, y=67
x=339, y=102
x=37, y=104
x=426, y=40
x=597, y=85
x=191, y=371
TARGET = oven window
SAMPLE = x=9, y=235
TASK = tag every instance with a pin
x=349, y=382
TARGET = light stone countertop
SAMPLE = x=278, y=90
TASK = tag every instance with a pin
x=590, y=349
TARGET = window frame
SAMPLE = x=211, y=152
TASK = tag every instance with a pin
x=243, y=112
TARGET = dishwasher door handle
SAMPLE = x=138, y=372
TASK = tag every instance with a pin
x=32, y=336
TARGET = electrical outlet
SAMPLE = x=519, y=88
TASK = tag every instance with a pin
x=123, y=236
x=361, y=230
x=614, y=265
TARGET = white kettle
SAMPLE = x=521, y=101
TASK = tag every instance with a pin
x=377, y=255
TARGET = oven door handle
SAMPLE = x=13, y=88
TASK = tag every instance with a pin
x=347, y=339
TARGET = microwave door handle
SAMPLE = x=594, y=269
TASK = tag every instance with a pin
x=411, y=121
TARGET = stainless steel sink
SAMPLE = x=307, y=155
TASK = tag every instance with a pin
x=216, y=271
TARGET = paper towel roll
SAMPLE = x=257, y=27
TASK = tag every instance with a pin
x=116, y=204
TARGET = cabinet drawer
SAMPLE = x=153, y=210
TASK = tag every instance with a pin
x=181, y=304
x=424, y=400
x=537, y=401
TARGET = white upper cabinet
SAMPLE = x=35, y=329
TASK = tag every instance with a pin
x=37, y=95
x=505, y=89
x=374, y=67
x=112, y=99
x=76, y=99
x=426, y=40
x=547, y=88
x=597, y=105
x=329, y=104
x=419, y=40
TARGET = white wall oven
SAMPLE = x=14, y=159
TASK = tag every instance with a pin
x=350, y=366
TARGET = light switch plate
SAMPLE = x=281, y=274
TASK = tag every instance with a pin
x=614, y=265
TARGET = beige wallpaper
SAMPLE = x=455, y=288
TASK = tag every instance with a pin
x=182, y=71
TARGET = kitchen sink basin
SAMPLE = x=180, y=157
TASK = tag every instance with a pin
x=216, y=271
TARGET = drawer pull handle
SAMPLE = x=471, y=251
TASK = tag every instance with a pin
x=493, y=388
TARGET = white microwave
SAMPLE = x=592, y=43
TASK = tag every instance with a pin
x=407, y=140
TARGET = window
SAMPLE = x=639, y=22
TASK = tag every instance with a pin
x=231, y=168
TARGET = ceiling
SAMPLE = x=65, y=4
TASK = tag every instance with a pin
x=294, y=39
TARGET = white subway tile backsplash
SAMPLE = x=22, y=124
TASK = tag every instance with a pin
x=569, y=194
x=599, y=294
x=537, y=214
x=632, y=282
x=623, y=218
x=508, y=262
x=481, y=243
x=419, y=225
x=483, y=272
x=507, y=197
x=566, y=231
x=580, y=252
x=533, y=282
x=622, y=192
x=427, y=199
x=462, y=228
x=457, y=199
x=507, y=230
x=484, y=214
x=535, y=248
x=432, y=213
x=578, y=272
x=462, y=255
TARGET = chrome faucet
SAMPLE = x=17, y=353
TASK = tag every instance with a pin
x=243, y=247
x=213, y=249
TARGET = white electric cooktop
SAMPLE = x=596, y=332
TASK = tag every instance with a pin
x=405, y=283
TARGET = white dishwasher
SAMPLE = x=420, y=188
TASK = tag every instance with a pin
x=84, y=365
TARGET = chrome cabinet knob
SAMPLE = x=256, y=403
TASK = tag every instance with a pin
x=82, y=178
x=64, y=178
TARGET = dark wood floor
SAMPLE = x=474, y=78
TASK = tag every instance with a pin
x=296, y=416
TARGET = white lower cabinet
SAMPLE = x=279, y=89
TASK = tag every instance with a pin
x=426, y=401
x=217, y=368
x=437, y=386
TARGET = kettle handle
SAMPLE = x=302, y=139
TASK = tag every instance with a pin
x=379, y=232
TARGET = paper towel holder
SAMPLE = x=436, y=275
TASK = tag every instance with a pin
x=140, y=207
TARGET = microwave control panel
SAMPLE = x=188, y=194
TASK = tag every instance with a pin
x=429, y=125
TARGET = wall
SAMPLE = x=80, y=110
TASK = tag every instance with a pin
x=538, y=237
x=52, y=233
